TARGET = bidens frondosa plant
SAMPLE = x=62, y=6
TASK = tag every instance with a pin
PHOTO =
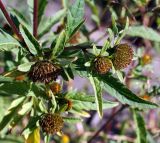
x=44, y=61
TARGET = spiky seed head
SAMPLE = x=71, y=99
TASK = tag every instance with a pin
x=102, y=65
x=123, y=56
x=51, y=123
x=44, y=72
x=55, y=88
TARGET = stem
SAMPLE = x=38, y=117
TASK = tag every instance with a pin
x=35, y=18
x=107, y=123
x=9, y=20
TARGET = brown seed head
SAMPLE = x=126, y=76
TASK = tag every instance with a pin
x=123, y=56
x=55, y=87
x=51, y=123
x=44, y=71
x=102, y=65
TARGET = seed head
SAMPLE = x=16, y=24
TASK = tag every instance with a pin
x=51, y=123
x=123, y=56
x=55, y=87
x=102, y=65
x=44, y=72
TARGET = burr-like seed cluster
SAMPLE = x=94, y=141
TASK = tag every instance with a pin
x=51, y=123
x=44, y=72
x=123, y=56
x=102, y=65
x=55, y=87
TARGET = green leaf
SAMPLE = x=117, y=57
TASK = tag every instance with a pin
x=74, y=17
x=5, y=79
x=20, y=17
x=72, y=120
x=98, y=94
x=123, y=32
x=32, y=125
x=122, y=93
x=59, y=47
x=25, y=108
x=10, y=88
x=25, y=67
x=82, y=101
x=7, y=42
x=140, y=127
x=16, y=104
x=30, y=41
x=114, y=25
x=144, y=32
x=95, y=11
x=30, y=6
x=41, y=8
x=47, y=23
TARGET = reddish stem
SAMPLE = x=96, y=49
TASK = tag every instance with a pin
x=11, y=23
x=35, y=18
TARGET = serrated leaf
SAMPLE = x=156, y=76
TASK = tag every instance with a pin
x=72, y=120
x=59, y=47
x=144, y=32
x=74, y=17
x=25, y=67
x=7, y=42
x=34, y=137
x=30, y=41
x=122, y=93
x=47, y=23
x=140, y=127
x=98, y=94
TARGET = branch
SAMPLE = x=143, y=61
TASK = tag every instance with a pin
x=11, y=23
x=107, y=123
x=35, y=18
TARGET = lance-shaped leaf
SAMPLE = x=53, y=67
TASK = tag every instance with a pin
x=140, y=127
x=15, y=105
x=83, y=101
x=144, y=32
x=25, y=67
x=72, y=120
x=30, y=41
x=59, y=47
x=47, y=23
x=122, y=93
x=21, y=18
x=98, y=94
x=74, y=17
x=41, y=8
x=7, y=42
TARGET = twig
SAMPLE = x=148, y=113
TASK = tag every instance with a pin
x=107, y=123
x=11, y=23
x=35, y=18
